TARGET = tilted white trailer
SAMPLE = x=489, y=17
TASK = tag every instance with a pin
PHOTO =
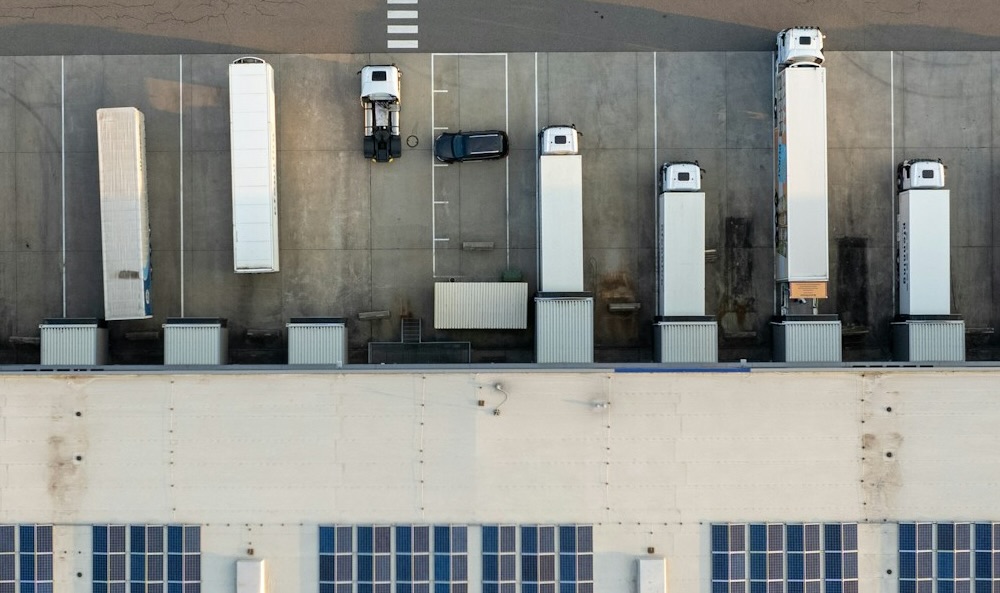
x=121, y=155
x=254, y=161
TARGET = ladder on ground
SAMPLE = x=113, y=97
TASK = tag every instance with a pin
x=410, y=330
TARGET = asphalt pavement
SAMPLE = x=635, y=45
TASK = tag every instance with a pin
x=130, y=27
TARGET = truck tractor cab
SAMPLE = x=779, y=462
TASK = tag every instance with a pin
x=680, y=176
x=380, y=100
x=920, y=174
x=559, y=140
x=800, y=46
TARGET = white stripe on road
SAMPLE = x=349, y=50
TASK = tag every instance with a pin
x=402, y=44
x=401, y=1
x=402, y=14
x=402, y=29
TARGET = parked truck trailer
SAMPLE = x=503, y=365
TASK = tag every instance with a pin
x=801, y=222
x=254, y=160
x=564, y=314
x=560, y=210
x=121, y=156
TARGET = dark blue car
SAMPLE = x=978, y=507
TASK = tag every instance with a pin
x=471, y=146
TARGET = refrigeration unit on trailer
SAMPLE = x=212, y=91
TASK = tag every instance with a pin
x=380, y=100
x=801, y=225
x=254, y=161
x=681, y=331
x=925, y=330
x=121, y=156
x=564, y=326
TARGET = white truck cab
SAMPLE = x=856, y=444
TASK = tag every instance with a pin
x=920, y=174
x=800, y=46
x=559, y=140
x=380, y=99
x=680, y=176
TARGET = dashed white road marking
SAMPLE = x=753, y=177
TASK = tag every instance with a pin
x=398, y=29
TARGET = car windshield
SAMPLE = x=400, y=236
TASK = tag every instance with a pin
x=458, y=145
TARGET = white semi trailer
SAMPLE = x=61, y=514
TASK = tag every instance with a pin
x=925, y=330
x=564, y=320
x=254, y=160
x=560, y=210
x=682, y=333
x=801, y=222
x=121, y=155
x=801, y=225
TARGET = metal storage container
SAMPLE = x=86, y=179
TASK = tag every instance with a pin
x=480, y=305
x=195, y=340
x=938, y=340
x=807, y=338
x=564, y=328
x=74, y=342
x=686, y=341
x=317, y=340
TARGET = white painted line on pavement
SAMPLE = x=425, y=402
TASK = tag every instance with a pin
x=401, y=1
x=401, y=29
x=402, y=14
x=402, y=44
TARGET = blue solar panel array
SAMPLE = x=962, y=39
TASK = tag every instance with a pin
x=949, y=557
x=538, y=559
x=336, y=559
x=161, y=559
x=576, y=559
x=435, y=559
x=499, y=559
x=374, y=559
x=26, y=558
x=451, y=559
x=784, y=558
x=413, y=559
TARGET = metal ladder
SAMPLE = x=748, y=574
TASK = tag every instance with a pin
x=410, y=330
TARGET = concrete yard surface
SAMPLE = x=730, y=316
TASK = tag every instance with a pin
x=358, y=236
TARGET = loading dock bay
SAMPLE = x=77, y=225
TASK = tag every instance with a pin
x=358, y=236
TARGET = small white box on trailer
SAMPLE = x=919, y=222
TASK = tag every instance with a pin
x=121, y=156
x=924, y=252
x=560, y=211
x=254, y=166
x=801, y=220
